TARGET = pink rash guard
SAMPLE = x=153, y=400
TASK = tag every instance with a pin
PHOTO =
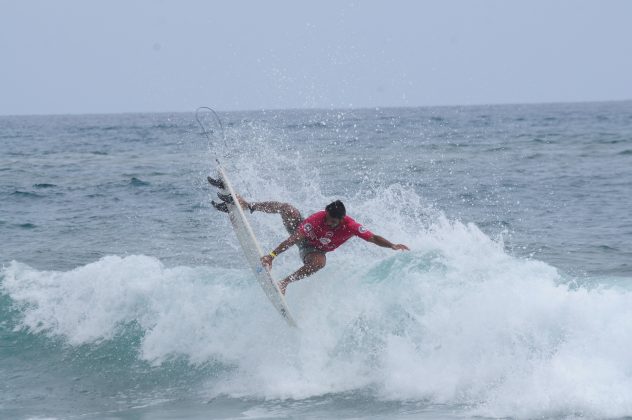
x=325, y=238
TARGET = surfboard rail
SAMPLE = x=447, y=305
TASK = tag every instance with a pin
x=252, y=250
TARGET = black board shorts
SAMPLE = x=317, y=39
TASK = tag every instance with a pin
x=304, y=247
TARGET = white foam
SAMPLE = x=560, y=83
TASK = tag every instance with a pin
x=455, y=321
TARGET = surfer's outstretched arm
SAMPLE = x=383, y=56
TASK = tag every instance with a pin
x=385, y=243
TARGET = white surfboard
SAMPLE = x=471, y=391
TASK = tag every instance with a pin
x=252, y=251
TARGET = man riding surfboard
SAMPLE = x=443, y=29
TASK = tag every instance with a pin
x=322, y=232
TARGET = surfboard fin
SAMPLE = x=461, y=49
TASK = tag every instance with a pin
x=226, y=198
x=223, y=207
x=216, y=182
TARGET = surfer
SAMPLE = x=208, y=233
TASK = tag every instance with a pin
x=322, y=232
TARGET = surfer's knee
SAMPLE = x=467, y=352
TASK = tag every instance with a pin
x=316, y=260
x=290, y=211
x=291, y=217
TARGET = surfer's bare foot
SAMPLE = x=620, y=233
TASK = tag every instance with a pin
x=226, y=198
x=283, y=285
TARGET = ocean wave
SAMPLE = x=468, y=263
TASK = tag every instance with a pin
x=137, y=182
x=456, y=321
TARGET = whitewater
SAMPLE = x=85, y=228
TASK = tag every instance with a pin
x=123, y=294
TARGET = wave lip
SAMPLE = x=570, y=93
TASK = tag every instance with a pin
x=137, y=182
x=25, y=194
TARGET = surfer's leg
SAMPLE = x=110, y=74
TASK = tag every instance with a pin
x=228, y=199
x=290, y=214
x=314, y=261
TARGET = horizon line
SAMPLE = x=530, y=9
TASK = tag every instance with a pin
x=349, y=108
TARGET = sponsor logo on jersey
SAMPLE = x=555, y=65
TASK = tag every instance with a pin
x=307, y=227
x=325, y=241
x=329, y=234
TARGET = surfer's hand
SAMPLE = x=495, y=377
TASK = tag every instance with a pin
x=266, y=261
x=400, y=247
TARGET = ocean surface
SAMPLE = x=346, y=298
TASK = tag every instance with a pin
x=124, y=294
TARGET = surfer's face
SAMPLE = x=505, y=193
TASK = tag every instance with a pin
x=331, y=221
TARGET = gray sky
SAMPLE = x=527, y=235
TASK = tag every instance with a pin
x=80, y=56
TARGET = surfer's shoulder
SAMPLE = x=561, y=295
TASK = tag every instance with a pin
x=318, y=215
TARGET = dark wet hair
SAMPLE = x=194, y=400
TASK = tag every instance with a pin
x=336, y=209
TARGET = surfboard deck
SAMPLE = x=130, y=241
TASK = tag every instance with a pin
x=252, y=250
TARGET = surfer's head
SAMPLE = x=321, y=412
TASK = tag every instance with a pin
x=335, y=213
